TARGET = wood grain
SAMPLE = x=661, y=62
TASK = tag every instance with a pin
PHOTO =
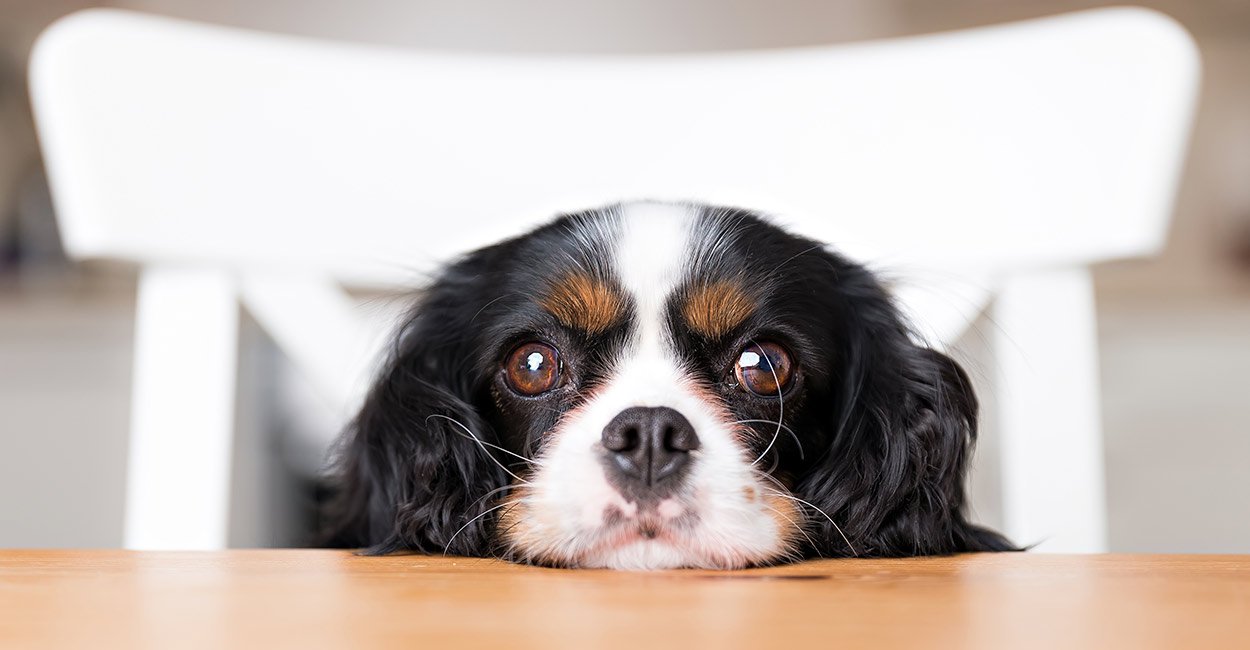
x=331, y=599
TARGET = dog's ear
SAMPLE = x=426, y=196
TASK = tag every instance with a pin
x=409, y=475
x=902, y=426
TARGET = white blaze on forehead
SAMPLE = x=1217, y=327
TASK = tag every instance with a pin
x=649, y=260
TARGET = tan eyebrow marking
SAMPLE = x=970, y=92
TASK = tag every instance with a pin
x=585, y=302
x=714, y=309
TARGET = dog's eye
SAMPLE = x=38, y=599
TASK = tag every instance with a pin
x=532, y=368
x=764, y=369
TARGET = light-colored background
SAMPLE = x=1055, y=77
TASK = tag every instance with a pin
x=1175, y=331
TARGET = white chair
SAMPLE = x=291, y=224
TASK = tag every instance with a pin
x=274, y=170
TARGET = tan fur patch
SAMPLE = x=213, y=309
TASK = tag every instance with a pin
x=787, y=518
x=715, y=309
x=512, y=525
x=585, y=302
x=528, y=533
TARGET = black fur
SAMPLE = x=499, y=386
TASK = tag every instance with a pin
x=887, y=426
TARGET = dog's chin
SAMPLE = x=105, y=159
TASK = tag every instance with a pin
x=639, y=553
x=672, y=533
x=656, y=548
x=648, y=538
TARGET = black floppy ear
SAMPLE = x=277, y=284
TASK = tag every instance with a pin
x=902, y=429
x=408, y=477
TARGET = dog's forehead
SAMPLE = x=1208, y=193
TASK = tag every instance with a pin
x=643, y=259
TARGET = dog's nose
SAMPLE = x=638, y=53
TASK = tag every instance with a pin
x=649, y=445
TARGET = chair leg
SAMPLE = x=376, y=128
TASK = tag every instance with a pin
x=1049, y=419
x=182, y=410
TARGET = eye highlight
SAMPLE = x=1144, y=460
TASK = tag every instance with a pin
x=532, y=369
x=764, y=369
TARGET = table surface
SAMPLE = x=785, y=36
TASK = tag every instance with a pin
x=332, y=599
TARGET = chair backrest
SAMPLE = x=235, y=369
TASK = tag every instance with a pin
x=1054, y=141
x=292, y=166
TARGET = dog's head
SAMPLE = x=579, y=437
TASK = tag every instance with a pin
x=654, y=386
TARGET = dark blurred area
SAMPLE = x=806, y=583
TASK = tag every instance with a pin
x=1174, y=330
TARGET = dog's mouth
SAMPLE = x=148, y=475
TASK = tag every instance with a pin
x=646, y=541
x=599, y=526
x=667, y=520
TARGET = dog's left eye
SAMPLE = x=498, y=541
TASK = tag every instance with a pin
x=532, y=368
x=764, y=369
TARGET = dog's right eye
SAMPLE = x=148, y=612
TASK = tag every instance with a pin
x=532, y=369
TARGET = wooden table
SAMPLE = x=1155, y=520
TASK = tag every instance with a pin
x=331, y=599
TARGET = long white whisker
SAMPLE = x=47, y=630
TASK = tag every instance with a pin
x=796, y=527
x=453, y=536
x=480, y=441
x=771, y=479
x=822, y=512
x=484, y=445
x=781, y=405
x=784, y=428
x=493, y=493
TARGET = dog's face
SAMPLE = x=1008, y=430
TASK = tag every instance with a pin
x=658, y=386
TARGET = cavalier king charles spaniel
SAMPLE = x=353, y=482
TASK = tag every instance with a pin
x=656, y=386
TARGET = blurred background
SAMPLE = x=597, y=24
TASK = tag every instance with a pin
x=1174, y=330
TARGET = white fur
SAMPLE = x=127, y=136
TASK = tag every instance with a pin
x=569, y=494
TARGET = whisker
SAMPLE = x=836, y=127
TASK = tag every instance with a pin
x=823, y=513
x=479, y=312
x=767, y=449
x=798, y=528
x=781, y=405
x=479, y=440
x=510, y=552
x=794, y=257
x=453, y=536
x=501, y=534
x=485, y=444
x=784, y=428
x=492, y=493
x=772, y=479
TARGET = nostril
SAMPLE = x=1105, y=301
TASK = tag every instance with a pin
x=668, y=435
x=620, y=438
x=680, y=438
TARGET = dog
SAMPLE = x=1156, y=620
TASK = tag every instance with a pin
x=654, y=386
